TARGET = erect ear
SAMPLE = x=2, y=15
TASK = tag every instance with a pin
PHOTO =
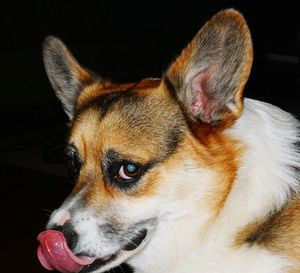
x=67, y=77
x=210, y=74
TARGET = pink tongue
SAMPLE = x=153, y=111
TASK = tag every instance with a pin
x=54, y=253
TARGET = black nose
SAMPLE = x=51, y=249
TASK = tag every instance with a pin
x=69, y=233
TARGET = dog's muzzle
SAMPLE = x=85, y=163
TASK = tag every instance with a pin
x=54, y=252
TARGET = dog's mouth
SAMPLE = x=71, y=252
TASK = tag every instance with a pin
x=54, y=253
x=98, y=263
x=129, y=246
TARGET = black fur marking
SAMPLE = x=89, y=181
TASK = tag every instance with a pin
x=108, y=100
x=136, y=241
x=266, y=231
x=108, y=230
x=260, y=235
x=173, y=138
x=170, y=87
x=104, y=102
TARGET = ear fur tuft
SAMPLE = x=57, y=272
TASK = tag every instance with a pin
x=210, y=74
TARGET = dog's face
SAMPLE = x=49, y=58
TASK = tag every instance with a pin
x=143, y=152
x=117, y=147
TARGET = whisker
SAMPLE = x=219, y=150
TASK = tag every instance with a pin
x=48, y=212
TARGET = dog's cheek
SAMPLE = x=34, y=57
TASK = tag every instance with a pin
x=136, y=209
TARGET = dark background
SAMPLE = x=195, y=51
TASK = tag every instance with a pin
x=121, y=40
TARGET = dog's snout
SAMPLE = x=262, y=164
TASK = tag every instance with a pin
x=60, y=217
x=70, y=234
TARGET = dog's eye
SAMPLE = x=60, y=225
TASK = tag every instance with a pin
x=128, y=171
x=73, y=161
x=73, y=166
x=123, y=172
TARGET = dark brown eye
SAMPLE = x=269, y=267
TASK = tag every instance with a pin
x=128, y=171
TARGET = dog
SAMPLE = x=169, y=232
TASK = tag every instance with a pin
x=180, y=174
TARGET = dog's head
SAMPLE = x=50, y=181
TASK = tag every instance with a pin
x=144, y=152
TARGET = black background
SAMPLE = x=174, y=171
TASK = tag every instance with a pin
x=127, y=41
x=123, y=41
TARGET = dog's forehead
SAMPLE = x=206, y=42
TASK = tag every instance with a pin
x=140, y=119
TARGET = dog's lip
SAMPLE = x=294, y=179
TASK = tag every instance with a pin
x=130, y=246
x=136, y=241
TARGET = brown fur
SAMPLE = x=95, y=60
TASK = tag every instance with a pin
x=221, y=154
x=218, y=152
x=122, y=127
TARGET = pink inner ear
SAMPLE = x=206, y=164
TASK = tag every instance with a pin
x=201, y=103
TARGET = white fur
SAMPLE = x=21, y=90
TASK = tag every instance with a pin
x=266, y=177
x=264, y=183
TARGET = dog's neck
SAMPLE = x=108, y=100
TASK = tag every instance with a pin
x=269, y=135
x=266, y=178
x=267, y=170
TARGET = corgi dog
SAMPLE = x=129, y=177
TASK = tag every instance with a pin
x=180, y=174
